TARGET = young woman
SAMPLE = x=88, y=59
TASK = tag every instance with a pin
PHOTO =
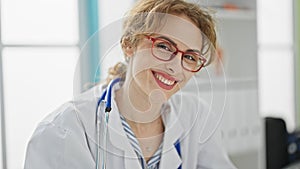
x=151, y=123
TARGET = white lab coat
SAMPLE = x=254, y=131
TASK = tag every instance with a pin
x=66, y=139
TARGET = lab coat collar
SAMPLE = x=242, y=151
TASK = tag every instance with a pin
x=118, y=137
x=85, y=106
x=173, y=131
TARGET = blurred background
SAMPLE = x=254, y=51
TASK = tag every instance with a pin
x=42, y=44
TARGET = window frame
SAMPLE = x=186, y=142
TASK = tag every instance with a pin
x=87, y=26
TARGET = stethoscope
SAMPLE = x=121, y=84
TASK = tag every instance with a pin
x=106, y=99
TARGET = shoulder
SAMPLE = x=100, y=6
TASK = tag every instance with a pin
x=57, y=141
x=72, y=111
x=61, y=131
x=213, y=149
x=190, y=112
x=188, y=99
x=69, y=117
x=46, y=145
x=189, y=106
x=196, y=115
x=56, y=126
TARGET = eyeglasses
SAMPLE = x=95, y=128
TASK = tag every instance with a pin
x=164, y=50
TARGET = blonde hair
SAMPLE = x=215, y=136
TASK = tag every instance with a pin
x=143, y=18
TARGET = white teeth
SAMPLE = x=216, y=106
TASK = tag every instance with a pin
x=164, y=80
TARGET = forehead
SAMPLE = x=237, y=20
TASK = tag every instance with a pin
x=182, y=30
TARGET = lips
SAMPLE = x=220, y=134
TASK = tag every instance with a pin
x=164, y=80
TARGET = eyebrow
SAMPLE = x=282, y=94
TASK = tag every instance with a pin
x=168, y=39
x=175, y=44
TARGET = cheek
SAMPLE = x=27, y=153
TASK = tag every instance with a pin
x=187, y=78
x=188, y=75
x=143, y=61
x=141, y=67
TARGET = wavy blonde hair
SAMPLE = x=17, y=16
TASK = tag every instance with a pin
x=143, y=18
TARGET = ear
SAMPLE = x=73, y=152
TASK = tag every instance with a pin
x=127, y=47
x=128, y=51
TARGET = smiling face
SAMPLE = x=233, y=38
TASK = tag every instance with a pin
x=147, y=72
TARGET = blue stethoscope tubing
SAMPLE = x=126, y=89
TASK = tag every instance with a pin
x=106, y=98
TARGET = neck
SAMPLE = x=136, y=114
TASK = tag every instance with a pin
x=147, y=130
x=143, y=116
x=137, y=106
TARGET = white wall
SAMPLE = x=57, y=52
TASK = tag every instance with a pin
x=110, y=20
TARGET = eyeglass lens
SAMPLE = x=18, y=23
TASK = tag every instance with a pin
x=164, y=50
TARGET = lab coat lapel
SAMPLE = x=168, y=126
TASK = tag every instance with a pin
x=116, y=134
x=170, y=158
x=85, y=110
x=119, y=139
x=173, y=131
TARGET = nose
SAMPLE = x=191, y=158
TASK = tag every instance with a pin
x=174, y=66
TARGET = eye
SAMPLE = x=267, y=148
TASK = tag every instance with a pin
x=191, y=58
x=164, y=46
